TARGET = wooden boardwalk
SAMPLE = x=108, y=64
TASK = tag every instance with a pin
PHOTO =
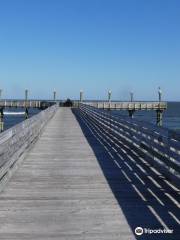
x=60, y=191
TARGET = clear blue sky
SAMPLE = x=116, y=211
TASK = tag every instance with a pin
x=94, y=45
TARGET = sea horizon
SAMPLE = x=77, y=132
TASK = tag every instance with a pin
x=171, y=116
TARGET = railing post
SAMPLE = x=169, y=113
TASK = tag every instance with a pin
x=54, y=96
x=131, y=96
x=26, y=95
x=159, y=112
x=26, y=104
x=160, y=94
x=81, y=96
x=109, y=95
x=26, y=113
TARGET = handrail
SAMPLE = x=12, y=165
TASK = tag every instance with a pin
x=127, y=105
x=160, y=146
x=16, y=140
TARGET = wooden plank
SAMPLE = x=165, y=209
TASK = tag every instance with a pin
x=129, y=105
x=133, y=161
x=23, y=104
x=60, y=191
x=18, y=138
x=155, y=147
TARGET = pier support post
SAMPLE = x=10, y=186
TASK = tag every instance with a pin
x=54, y=96
x=131, y=113
x=81, y=96
x=26, y=95
x=1, y=120
x=26, y=103
x=131, y=96
x=26, y=113
x=159, y=117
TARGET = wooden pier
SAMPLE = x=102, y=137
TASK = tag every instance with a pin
x=88, y=176
x=131, y=107
x=25, y=104
x=136, y=106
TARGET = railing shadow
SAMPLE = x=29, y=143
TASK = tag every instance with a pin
x=146, y=198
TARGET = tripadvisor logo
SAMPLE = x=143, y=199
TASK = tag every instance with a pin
x=139, y=231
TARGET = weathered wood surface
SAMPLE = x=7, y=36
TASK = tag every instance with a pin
x=143, y=192
x=60, y=191
x=128, y=105
x=26, y=103
x=16, y=140
x=20, y=103
x=160, y=146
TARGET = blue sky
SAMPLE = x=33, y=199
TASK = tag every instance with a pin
x=93, y=45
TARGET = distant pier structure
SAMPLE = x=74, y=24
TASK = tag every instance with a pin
x=41, y=104
x=131, y=107
x=24, y=104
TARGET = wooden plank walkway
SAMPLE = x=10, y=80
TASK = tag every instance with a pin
x=60, y=191
x=147, y=198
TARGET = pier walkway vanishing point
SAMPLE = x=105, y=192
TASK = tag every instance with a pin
x=77, y=184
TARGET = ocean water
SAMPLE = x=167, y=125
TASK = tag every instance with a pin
x=11, y=120
x=171, y=116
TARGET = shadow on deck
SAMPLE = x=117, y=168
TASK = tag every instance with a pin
x=145, y=197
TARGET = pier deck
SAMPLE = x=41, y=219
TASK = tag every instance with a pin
x=128, y=105
x=79, y=183
x=60, y=192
